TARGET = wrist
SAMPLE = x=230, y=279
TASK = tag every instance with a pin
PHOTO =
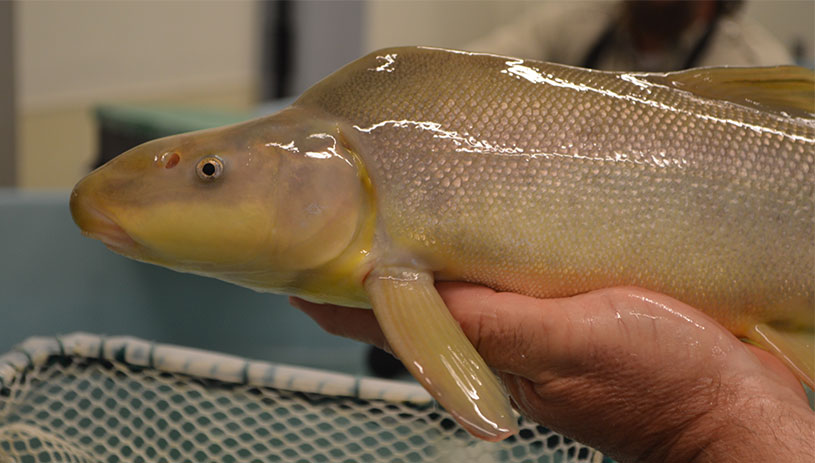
x=749, y=425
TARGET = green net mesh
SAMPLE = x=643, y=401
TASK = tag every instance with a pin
x=84, y=398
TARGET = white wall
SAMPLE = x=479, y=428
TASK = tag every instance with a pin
x=454, y=23
x=441, y=23
x=72, y=54
x=788, y=20
x=82, y=50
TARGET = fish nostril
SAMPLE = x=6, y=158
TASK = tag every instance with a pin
x=168, y=160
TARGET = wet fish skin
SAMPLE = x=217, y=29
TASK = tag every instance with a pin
x=550, y=180
x=418, y=164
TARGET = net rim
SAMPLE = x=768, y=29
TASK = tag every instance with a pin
x=131, y=351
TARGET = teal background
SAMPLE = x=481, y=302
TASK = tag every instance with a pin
x=55, y=281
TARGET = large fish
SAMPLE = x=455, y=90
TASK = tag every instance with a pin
x=414, y=165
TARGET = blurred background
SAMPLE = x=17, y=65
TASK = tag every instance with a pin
x=62, y=58
x=82, y=80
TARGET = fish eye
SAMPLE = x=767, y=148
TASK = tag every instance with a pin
x=209, y=168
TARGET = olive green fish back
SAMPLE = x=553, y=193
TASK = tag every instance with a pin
x=549, y=180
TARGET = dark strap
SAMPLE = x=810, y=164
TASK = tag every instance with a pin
x=603, y=42
x=600, y=47
x=701, y=45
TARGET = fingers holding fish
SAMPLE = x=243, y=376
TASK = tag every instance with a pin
x=348, y=322
x=607, y=365
x=618, y=332
x=532, y=338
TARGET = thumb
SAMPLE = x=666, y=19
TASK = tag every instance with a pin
x=532, y=337
x=622, y=369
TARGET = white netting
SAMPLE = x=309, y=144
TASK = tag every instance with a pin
x=84, y=398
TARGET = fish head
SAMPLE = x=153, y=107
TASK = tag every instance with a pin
x=257, y=204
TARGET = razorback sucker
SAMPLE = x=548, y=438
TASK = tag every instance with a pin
x=413, y=165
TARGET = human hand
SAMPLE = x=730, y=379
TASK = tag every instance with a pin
x=636, y=374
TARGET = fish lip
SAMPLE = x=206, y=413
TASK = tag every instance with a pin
x=99, y=225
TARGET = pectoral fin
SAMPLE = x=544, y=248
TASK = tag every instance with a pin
x=430, y=343
x=796, y=350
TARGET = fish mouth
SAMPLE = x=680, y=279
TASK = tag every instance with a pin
x=96, y=224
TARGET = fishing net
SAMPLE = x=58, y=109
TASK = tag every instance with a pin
x=85, y=398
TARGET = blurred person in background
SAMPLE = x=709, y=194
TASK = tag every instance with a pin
x=638, y=35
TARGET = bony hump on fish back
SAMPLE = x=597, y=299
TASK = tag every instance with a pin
x=415, y=164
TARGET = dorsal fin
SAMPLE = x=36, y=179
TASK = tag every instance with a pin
x=787, y=90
